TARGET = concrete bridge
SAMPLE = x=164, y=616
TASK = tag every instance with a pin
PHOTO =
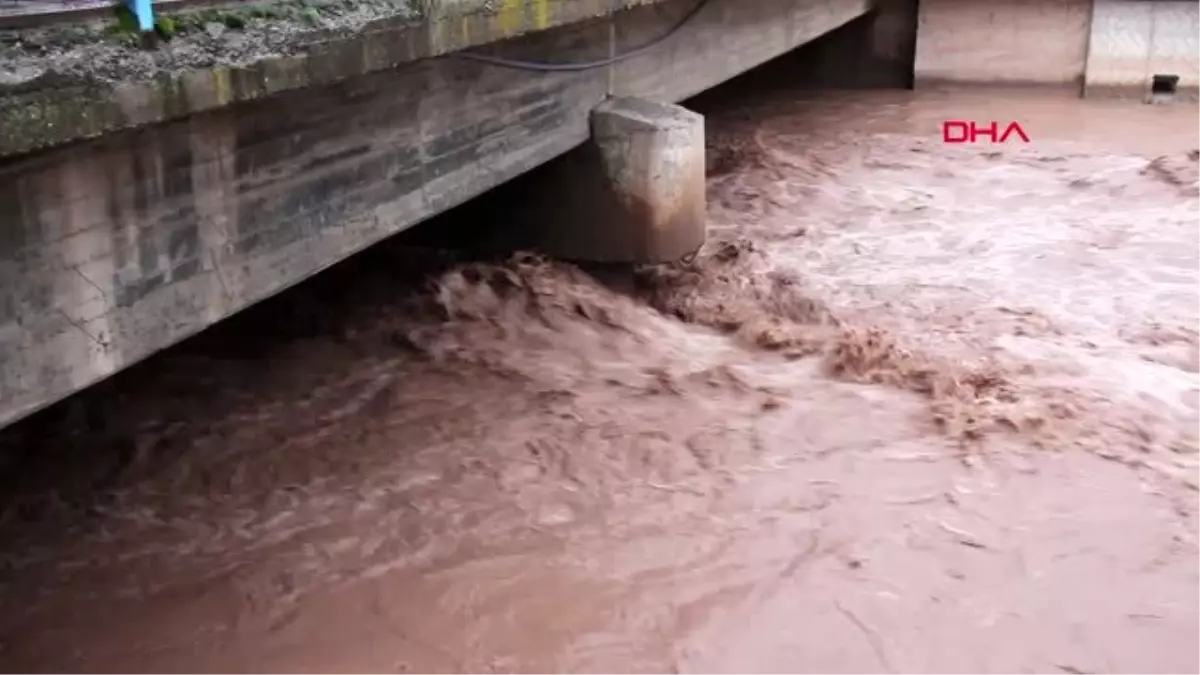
x=140, y=206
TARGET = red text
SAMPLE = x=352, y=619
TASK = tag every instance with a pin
x=962, y=131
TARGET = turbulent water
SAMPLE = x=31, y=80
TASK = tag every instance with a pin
x=915, y=407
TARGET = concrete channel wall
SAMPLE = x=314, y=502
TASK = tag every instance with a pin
x=1133, y=40
x=114, y=248
x=1106, y=47
x=1002, y=42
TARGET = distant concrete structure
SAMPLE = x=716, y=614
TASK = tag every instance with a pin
x=1018, y=42
x=1131, y=42
x=1104, y=47
x=134, y=214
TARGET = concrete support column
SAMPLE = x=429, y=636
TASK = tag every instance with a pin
x=893, y=41
x=635, y=192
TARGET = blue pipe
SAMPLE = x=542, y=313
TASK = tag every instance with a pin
x=144, y=11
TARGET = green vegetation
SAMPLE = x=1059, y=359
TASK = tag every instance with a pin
x=168, y=26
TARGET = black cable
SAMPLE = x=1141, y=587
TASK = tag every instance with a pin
x=585, y=65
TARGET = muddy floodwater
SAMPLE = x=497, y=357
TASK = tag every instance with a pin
x=914, y=407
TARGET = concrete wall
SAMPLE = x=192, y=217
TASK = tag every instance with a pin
x=1132, y=40
x=113, y=249
x=1112, y=47
x=1002, y=41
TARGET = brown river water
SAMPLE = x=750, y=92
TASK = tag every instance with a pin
x=915, y=407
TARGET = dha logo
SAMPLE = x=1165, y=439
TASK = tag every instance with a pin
x=962, y=131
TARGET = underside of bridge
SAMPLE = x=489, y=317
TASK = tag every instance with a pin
x=119, y=246
x=134, y=214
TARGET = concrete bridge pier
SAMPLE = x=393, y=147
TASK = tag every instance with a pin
x=634, y=193
x=137, y=212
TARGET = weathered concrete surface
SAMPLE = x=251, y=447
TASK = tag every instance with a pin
x=1133, y=40
x=635, y=191
x=115, y=248
x=1002, y=42
x=60, y=107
